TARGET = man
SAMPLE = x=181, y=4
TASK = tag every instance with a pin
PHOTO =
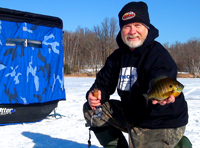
x=139, y=59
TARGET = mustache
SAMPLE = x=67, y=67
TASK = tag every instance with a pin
x=132, y=36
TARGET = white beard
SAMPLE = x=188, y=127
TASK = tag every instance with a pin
x=133, y=44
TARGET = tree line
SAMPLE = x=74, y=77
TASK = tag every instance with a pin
x=186, y=55
x=89, y=48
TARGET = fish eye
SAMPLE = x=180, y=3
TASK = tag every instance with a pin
x=170, y=86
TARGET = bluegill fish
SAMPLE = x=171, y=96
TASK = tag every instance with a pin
x=162, y=87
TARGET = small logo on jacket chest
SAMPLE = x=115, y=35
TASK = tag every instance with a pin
x=127, y=77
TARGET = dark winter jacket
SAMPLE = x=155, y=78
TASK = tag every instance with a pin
x=131, y=72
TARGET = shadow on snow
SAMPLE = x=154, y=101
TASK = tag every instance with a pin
x=41, y=140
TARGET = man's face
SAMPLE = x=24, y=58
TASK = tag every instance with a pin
x=134, y=34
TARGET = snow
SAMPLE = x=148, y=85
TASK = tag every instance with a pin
x=70, y=131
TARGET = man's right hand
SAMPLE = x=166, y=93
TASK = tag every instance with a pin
x=171, y=99
x=93, y=101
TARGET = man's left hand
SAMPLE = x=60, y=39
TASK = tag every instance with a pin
x=171, y=99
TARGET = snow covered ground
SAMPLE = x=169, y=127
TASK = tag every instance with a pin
x=70, y=131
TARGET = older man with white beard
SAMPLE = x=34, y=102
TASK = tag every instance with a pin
x=130, y=68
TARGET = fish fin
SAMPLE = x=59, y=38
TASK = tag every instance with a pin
x=168, y=94
x=146, y=97
x=154, y=81
x=175, y=94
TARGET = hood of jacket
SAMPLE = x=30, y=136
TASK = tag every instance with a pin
x=152, y=34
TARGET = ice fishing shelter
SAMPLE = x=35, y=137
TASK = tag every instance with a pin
x=31, y=66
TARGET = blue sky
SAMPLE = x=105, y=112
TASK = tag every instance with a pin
x=176, y=20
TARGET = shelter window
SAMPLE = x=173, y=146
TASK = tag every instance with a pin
x=23, y=42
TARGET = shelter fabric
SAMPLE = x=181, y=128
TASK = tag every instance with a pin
x=31, y=58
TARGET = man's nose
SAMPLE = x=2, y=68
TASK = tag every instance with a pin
x=133, y=30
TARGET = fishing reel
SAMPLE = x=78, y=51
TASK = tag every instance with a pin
x=98, y=112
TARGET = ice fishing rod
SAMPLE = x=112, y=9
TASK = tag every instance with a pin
x=96, y=113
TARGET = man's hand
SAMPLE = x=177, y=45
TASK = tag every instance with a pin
x=93, y=101
x=171, y=99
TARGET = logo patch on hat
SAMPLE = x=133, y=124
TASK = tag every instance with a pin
x=128, y=16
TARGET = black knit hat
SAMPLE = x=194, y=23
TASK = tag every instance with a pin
x=134, y=12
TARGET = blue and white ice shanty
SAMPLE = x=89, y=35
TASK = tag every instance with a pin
x=31, y=66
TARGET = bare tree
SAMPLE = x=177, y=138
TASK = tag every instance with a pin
x=70, y=45
x=186, y=55
x=107, y=36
